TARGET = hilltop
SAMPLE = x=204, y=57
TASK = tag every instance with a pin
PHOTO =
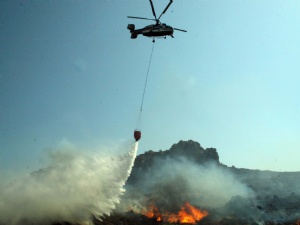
x=188, y=172
x=263, y=181
x=189, y=150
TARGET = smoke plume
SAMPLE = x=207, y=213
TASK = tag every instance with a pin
x=74, y=187
x=171, y=182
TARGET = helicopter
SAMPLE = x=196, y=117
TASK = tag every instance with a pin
x=154, y=30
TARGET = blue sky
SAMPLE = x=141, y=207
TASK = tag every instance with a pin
x=69, y=72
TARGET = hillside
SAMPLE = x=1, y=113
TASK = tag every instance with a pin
x=189, y=150
x=264, y=182
x=189, y=173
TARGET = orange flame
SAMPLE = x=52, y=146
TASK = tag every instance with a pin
x=153, y=212
x=190, y=214
x=187, y=214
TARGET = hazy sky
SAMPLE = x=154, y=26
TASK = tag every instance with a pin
x=69, y=72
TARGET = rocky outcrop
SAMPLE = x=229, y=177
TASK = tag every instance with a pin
x=189, y=150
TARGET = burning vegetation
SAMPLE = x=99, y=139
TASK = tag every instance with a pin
x=164, y=188
x=187, y=214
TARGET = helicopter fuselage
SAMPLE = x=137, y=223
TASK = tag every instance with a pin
x=153, y=30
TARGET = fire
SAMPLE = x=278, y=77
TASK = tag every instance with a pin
x=153, y=212
x=190, y=214
x=187, y=214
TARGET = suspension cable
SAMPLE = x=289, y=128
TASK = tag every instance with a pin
x=146, y=80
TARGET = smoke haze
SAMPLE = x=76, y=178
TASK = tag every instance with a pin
x=186, y=172
x=75, y=186
x=174, y=181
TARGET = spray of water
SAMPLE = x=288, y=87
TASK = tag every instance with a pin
x=74, y=187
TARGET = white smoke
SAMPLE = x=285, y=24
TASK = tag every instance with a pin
x=75, y=186
x=180, y=180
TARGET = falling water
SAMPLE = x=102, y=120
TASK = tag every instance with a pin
x=74, y=187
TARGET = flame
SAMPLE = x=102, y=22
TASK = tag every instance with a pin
x=187, y=214
x=190, y=214
x=153, y=212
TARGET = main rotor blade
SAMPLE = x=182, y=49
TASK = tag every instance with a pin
x=142, y=18
x=153, y=11
x=179, y=30
x=166, y=9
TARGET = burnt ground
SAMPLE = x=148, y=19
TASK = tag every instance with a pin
x=131, y=218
